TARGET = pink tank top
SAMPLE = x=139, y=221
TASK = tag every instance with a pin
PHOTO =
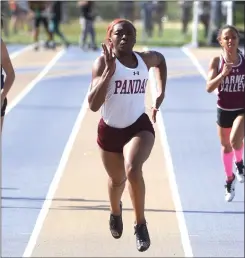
x=231, y=91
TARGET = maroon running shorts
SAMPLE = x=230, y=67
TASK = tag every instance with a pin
x=113, y=139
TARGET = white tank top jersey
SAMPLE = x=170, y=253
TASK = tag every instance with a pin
x=125, y=97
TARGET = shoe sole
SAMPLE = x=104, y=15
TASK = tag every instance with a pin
x=230, y=200
x=143, y=249
x=238, y=178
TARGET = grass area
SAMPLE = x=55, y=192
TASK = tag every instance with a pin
x=172, y=35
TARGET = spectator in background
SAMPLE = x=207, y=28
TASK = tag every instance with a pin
x=186, y=8
x=146, y=14
x=14, y=16
x=87, y=22
x=56, y=10
x=20, y=16
x=39, y=9
x=127, y=10
x=160, y=8
x=204, y=12
x=23, y=10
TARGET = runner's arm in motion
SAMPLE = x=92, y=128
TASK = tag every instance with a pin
x=214, y=79
x=156, y=60
x=8, y=69
x=102, y=71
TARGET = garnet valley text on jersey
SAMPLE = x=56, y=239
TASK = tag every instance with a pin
x=233, y=83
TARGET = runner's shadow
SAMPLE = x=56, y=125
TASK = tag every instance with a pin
x=107, y=208
x=9, y=188
x=54, y=200
x=95, y=207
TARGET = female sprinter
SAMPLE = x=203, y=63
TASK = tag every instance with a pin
x=7, y=67
x=125, y=133
x=227, y=74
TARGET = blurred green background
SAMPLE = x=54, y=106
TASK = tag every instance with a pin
x=109, y=10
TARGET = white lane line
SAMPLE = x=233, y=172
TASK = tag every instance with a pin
x=20, y=51
x=33, y=83
x=171, y=174
x=56, y=180
x=197, y=64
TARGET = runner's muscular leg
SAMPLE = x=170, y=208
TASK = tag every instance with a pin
x=136, y=152
x=114, y=165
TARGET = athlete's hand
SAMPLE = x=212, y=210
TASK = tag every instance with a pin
x=226, y=69
x=154, y=114
x=156, y=106
x=109, y=58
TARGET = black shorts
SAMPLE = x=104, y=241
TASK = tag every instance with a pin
x=39, y=20
x=226, y=118
x=4, y=106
